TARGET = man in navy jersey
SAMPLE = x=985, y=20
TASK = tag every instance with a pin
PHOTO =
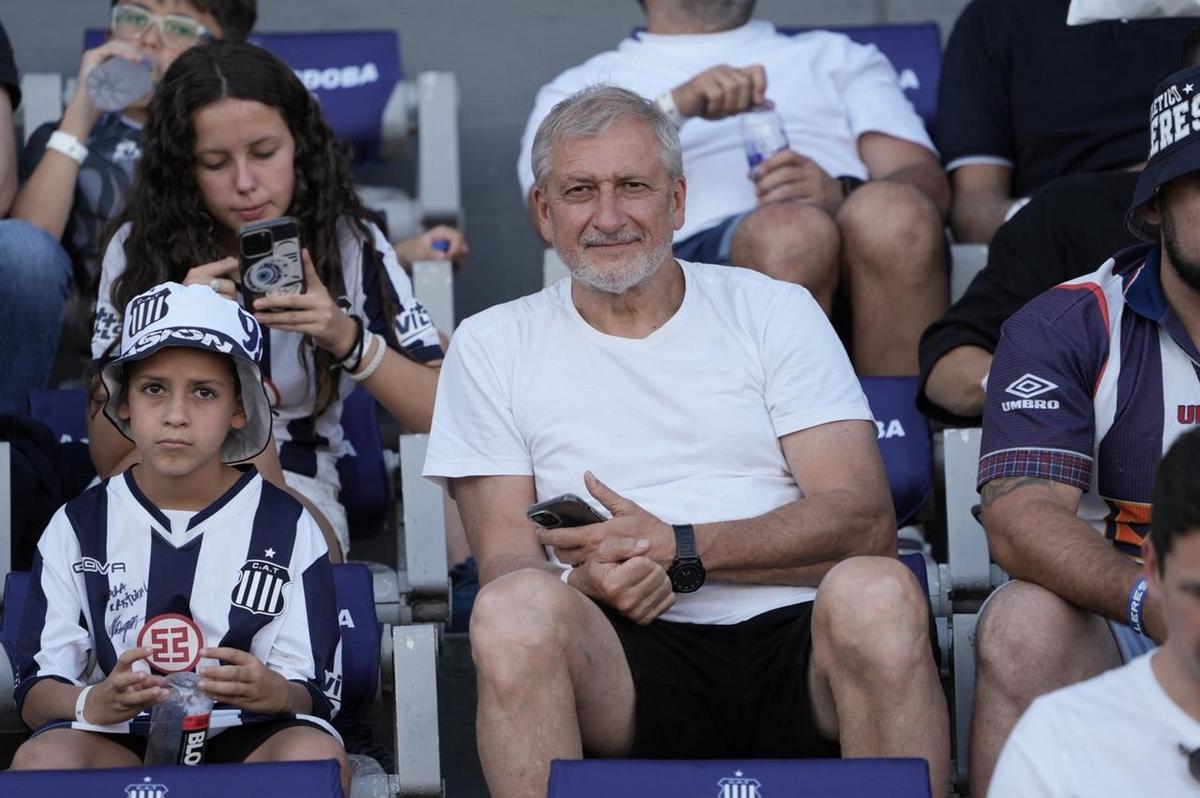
x=232, y=571
x=1091, y=383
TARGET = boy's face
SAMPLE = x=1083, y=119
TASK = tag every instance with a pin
x=181, y=403
x=162, y=43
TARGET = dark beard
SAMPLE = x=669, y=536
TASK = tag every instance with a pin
x=716, y=15
x=1187, y=268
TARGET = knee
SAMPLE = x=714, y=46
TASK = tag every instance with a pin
x=519, y=621
x=37, y=754
x=873, y=618
x=791, y=241
x=1018, y=634
x=315, y=745
x=34, y=260
x=884, y=220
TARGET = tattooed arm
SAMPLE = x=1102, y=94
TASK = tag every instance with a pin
x=1034, y=534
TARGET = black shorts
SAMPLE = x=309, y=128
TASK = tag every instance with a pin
x=723, y=691
x=231, y=745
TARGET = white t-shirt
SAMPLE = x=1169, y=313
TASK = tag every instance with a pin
x=1116, y=734
x=686, y=421
x=308, y=446
x=828, y=89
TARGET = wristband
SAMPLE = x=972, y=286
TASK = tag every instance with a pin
x=80, y=701
x=666, y=104
x=1137, y=600
x=565, y=576
x=68, y=145
x=353, y=358
x=376, y=359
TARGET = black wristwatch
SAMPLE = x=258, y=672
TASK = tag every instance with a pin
x=849, y=183
x=686, y=572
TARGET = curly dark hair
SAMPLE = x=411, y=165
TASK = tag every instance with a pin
x=170, y=229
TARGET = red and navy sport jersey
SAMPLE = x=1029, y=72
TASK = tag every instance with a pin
x=1091, y=383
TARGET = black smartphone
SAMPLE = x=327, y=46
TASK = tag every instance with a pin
x=270, y=259
x=565, y=510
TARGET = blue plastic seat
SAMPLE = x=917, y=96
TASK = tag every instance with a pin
x=755, y=778
x=363, y=475
x=266, y=780
x=64, y=412
x=904, y=442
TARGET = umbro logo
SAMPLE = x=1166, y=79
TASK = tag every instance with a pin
x=1025, y=388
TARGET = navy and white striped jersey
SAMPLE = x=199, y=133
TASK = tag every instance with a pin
x=252, y=571
x=1091, y=383
x=310, y=445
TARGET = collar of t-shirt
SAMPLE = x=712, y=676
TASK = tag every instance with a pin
x=179, y=534
x=686, y=44
x=664, y=333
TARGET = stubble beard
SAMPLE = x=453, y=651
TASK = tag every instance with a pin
x=1188, y=268
x=616, y=279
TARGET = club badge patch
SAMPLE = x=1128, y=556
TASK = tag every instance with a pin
x=260, y=587
x=175, y=641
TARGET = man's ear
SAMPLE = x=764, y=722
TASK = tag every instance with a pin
x=1150, y=566
x=542, y=206
x=679, y=194
x=1150, y=211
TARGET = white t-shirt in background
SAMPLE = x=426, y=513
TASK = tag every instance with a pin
x=686, y=422
x=828, y=89
x=1115, y=735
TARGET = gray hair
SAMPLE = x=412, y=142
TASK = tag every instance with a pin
x=591, y=112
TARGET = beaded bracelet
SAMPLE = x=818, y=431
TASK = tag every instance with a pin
x=376, y=359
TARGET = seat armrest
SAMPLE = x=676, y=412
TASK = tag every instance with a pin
x=433, y=284
x=421, y=549
x=414, y=652
x=968, y=555
x=438, y=175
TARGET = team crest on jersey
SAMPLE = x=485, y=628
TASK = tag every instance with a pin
x=260, y=587
x=145, y=310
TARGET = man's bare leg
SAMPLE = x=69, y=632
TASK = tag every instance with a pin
x=894, y=255
x=793, y=242
x=1028, y=642
x=872, y=678
x=553, y=681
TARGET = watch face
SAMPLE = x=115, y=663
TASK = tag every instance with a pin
x=687, y=577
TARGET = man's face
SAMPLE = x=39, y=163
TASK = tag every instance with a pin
x=609, y=207
x=163, y=29
x=1178, y=587
x=1179, y=220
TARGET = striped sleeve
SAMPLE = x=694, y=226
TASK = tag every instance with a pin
x=54, y=641
x=411, y=330
x=307, y=649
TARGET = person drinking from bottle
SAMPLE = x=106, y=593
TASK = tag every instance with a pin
x=75, y=174
x=181, y=562
x=234, y=138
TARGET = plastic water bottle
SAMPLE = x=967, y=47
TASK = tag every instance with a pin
x=179, y=725
x=367, y=778
x=762, y=134
x=115, y=84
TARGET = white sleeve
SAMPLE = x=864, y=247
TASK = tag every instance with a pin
x=1031, y=764
x=107, y=327
x=875, y=103
x=307, y=648
x=474, y=431
x=53, y=643
x=808, y=377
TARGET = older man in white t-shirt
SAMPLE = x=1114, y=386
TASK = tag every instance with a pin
x=859, y=197
x=713, y=413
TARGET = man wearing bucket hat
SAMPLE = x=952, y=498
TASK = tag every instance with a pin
x=1092, y=381
x=158, y=546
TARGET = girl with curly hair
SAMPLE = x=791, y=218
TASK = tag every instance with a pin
x=233, y=138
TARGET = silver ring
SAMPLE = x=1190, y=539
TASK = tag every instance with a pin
x=215, y=284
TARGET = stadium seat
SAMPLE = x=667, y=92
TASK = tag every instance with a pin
x=364, y=492
x=915, y=50
x=903, y=435
x=269, y=780
x=755, y=778
x=966, y=261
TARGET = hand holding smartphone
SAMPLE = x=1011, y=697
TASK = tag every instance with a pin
x=270, y=259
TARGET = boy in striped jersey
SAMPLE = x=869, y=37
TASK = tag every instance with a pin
x=234, y=570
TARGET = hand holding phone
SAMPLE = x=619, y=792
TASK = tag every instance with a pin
x=270, y=259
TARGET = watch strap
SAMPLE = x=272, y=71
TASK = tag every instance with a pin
x=685, y=542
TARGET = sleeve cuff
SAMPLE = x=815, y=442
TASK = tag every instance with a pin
x=1056, y=465
x=320, y=702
